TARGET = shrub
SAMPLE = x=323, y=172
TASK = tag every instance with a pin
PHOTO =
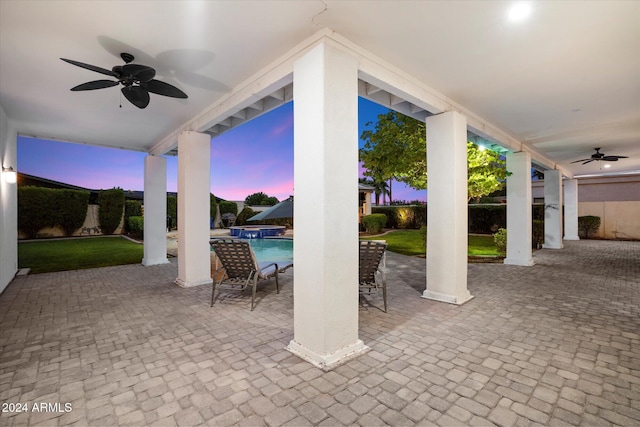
x=537, y=234
x=131, y=208
x=403, y=217
x=423, y=234
x=172, y=210
x=374, y=223
x=34, y=209
x=111, y=209
x=228, y=207
x=500, y=239
x=588, y=226
x=135, y=225
x=40, y=207
x=71, y=209
x=487, y=219
x=213, y=207
x=244, y=215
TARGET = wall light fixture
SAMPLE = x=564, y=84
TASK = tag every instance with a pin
x=10, y=175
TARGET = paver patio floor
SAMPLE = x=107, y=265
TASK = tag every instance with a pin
x=554, y=344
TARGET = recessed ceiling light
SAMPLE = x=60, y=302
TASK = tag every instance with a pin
x=607, y=165
x=519, y=12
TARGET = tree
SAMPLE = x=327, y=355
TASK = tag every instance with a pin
x=379, y=187
x=397, y=149
x=260, y=199
x=486, y=172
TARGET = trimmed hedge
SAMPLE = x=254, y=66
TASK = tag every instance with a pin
x=135, y=225
x=500, y=239
x=172, y=211
x=213, y=207
x=228, y=207
x=374, y=223
x=71, y=209
x=487, y=219
x=131, y=208
x=588, y=226
x=40, y=207
x=537, y=234
x=111, y=209
x=244, y=215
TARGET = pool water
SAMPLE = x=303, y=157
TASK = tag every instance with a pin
x=273, y=250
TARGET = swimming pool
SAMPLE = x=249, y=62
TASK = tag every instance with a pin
x=273, y=250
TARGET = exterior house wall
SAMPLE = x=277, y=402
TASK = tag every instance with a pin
x=616, y=200
x=8, y=204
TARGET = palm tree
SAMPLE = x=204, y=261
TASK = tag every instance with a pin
x=379, y=187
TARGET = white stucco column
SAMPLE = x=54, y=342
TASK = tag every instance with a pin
x=447, y=229
x=552, y=209
x=194, y=253
x=155, y=210
x=519, y=215
x=571, y=209
x=326, y=207
x=8, y=202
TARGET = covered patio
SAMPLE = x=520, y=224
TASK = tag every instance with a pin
x=557, y=343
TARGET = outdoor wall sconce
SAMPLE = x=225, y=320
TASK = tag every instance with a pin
x=10, y=176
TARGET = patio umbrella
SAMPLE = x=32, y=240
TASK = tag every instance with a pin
x=283, y=209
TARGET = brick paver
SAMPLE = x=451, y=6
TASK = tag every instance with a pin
x=557, y=343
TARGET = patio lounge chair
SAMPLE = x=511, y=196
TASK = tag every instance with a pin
x=239, y=268
x=371, y=276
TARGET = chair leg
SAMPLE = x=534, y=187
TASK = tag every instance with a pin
x=384, y=295
x=253, y=292
x=213, y=291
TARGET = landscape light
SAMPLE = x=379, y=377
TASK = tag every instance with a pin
x=10, y=176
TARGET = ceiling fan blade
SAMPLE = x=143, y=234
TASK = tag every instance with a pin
x=136, y=95
x=577, y=161
x=614, y=158
x=139, y=72
x=164, y=89
x=96, y=84
x=588, y=161
x=90, y=67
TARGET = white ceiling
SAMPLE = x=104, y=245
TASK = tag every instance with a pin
x=564, y=81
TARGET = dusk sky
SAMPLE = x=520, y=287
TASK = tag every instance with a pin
x=256, y=156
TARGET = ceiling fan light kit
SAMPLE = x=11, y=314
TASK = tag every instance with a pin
x=137, y=81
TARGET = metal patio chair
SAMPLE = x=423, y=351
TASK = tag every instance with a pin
x=239, y=268
x=371, y=277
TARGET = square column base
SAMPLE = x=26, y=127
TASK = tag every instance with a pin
x=327, y=362
x=571, y=238
x=524, y=263
x=552, y=246
x=190, y=284
x=451, y=299
x=148, y=263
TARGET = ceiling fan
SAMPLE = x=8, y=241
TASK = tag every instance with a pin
x=598, y=156
x=138, y=80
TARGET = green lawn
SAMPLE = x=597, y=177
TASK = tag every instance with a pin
x=409, y=242
x=75, y=254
